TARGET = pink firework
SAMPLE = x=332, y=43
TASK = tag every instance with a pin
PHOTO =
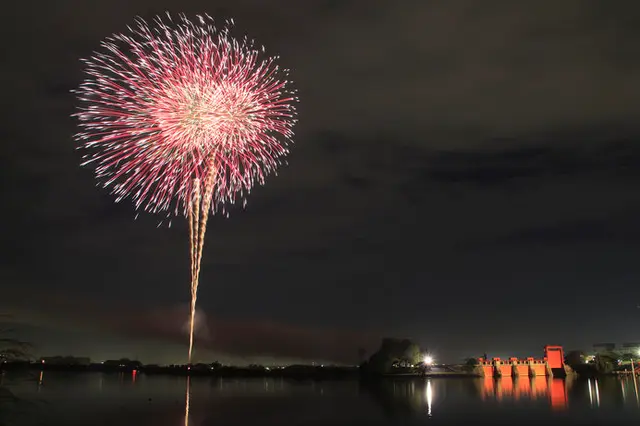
x=183, y=118
x=167, y=102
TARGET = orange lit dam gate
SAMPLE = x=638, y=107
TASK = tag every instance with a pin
x=551, y=365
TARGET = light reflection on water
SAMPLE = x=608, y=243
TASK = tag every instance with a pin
x=553, y=390
x=136, y=399
x=429, y=396
x=535, y=388
x=556, y=390
x=187, y=400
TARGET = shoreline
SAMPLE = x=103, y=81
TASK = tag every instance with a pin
x=300, y=372
x=297, y=372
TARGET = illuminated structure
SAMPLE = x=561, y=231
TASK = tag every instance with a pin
x=555, y=360
x=552, y=364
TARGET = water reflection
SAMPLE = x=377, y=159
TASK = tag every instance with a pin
x=525, y=388
x=538, y=387
x=40, y=381
x=435, y=397
x=629, y=386
x=187, y=401
x=594, y=392
x=504, y=388
x=173, y=401
x=522, y=387
x=402, y=398
x=558, y=392
x=429, y=397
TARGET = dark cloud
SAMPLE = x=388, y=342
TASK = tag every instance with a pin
x=418, y=70
x=621, y=229
x=570, y=156
x=234, y=339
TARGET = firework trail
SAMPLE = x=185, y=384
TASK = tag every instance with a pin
x=184, y=119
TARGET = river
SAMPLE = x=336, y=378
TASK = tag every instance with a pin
x=95, y=399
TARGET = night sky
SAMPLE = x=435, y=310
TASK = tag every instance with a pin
x=465, y=174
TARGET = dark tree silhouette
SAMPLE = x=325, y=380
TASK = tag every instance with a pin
x=11, y=349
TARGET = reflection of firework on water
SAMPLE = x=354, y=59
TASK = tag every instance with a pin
x=183, y=119
x=187, y=402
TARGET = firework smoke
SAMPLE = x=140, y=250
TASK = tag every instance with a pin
x=183, y=119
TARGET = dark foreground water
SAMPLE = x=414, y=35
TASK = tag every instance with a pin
x=95, y=399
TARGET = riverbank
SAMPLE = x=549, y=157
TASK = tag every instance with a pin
x=313, y=372
x=293, y=371
x=432, y=374
x=301, y=372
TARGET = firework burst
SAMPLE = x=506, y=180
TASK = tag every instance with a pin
x=183, y=119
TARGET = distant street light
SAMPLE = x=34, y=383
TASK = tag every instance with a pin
x=428, y=360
